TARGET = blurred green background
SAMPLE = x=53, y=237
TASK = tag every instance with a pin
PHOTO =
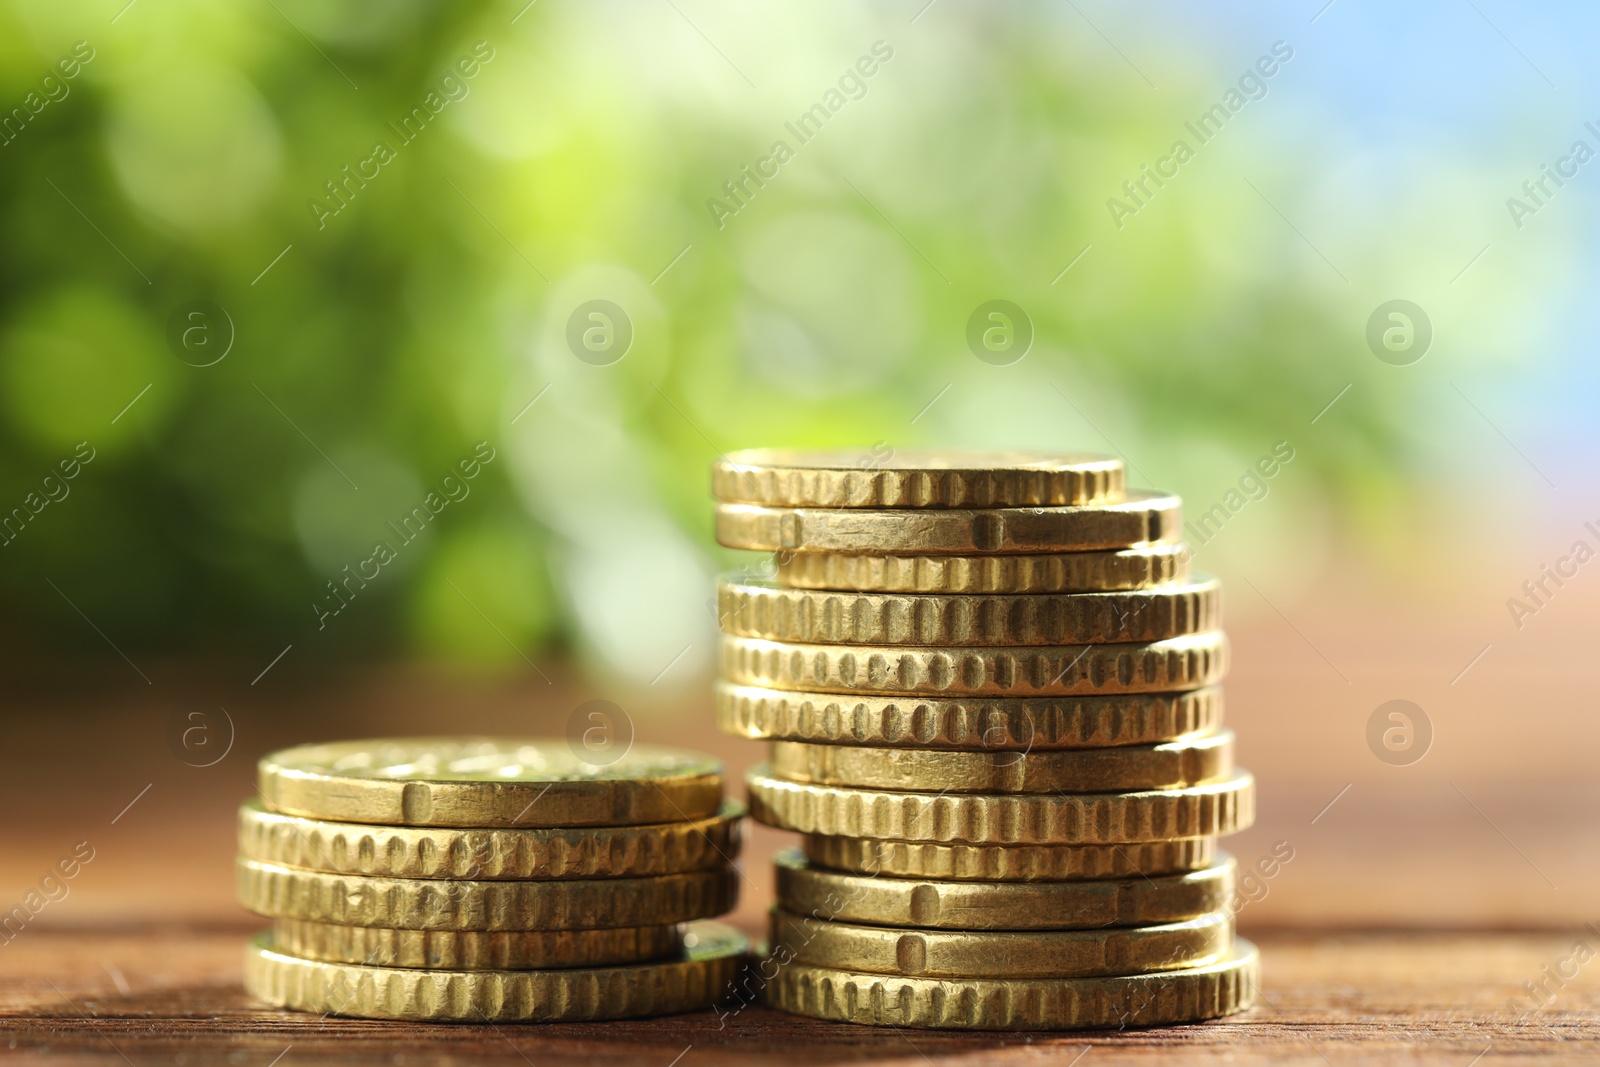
x=383, y=302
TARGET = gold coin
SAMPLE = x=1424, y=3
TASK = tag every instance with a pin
x=1007, y=954
x=1010, y=863
x=808, y=890
x=474, y=950
x=1046, y=670
x=762, y=609
x=1058, y=572
x=487, y=782
x=1141, y=518
x=915, y=479
x=1159, y=998
x=1220, y=807
x=1080, y=770
x=966, y=723
x=576, y=904
x=691, y=979
x=429, y=852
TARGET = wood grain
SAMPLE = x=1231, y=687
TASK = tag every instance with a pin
x=1419, y=901
x=172, y=995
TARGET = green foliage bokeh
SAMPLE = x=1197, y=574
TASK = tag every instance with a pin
x=391, y=336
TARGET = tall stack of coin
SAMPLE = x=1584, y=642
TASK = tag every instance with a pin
x=476, y=879
x=990, y=687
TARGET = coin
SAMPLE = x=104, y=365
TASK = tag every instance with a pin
x=1009, y=863
x=967, y=723
x=1007, y=954
x=808, y=890
x=1143, y=517
x=474, y=950
x=909, y=478
x=429, y=852
x=1054, y=670
x=1158, y=998
x=757, y=608
x=1058, y=572
x=591, y=903
x=1220, y=807
x=1081, y=770
x=691, y=979
x=487, y=782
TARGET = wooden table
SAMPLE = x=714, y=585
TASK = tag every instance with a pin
x=172, y=995
x=1419, y=902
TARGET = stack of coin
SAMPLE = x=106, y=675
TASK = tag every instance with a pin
x=990, y=687
x=489, y=880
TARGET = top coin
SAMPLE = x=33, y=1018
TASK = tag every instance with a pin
x=487, y=782
x=915, y=478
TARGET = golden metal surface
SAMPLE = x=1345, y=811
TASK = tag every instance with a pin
x=692, y=979
x=1130, y=768
x=487, y=782
x=977, y=723
x=808, y=890
x=445, y=852
x=1009, y=863
x=1002, y=954
x=755, y=608
x=913, y=478
x=1057, y=572
x=1141, y=518
x=1156, y=999
x=1061, y=670
x=415, y=904
x=1221, y=807
x=473, y=950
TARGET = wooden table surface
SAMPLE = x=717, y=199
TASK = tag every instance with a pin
x=159, y=993
x=1422, y=905
x=172, y=995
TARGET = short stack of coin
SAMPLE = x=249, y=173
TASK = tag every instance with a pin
x=991, y=690
x=489, y=880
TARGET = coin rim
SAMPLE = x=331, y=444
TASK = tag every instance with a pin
x=748, y=710
x=1227, y=804
x=832, y=942
x=766, y=609
x=1006, y=864
x=268, y=974
x=1228, y=986
x=278, y=892
x=693, y=793
x=736, y=654
x=761, y=528
x=309, y=939
x=802, y=887
x=962, y=775
x=968, y=574
x=257, y=840
x=807, y=477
